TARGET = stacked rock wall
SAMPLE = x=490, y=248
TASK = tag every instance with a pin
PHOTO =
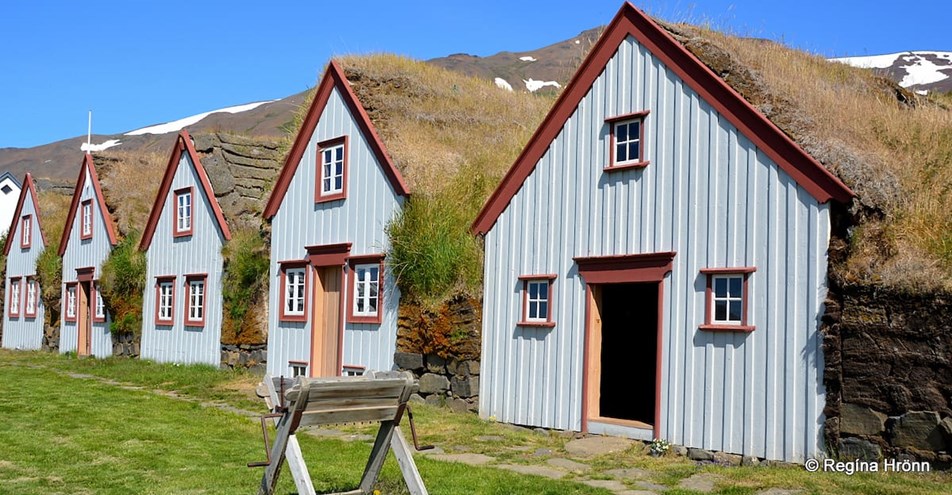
x=888, y=374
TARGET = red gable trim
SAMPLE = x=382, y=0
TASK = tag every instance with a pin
x=28, y=188
x=100, y=200
x=630, y=21
x=333, y=77
x=182, y=143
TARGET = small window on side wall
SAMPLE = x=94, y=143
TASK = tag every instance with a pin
x=183, y=212
x=195, y=300
x=26, y=231
x=726, y=299
x=297, y=368
x=331, y=170
x=293, y=289
x=69, y=311
x=164, y=300
x=14, y=308
x=537, y=300
x=86, y=220
x=365, y=286
x=99, y=314
x=627, y=135
x=32, y=297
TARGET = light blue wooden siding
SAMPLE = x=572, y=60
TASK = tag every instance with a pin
x=23, y=332
x=711, y=196
x=81, y=254
x=168, y=255
x=360, y=219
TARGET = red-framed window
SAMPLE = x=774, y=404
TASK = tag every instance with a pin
x=184, y=207
x=537, y=300
x=86, y=219
x=726, y=298
x=70, y=302
x=31, y=299
x=297, y=368
x=165, y=300
x=627, y=141
x=99, y=305
x=26, y=231
x=365, y=289
x=352, y=370
x=195, y=299
x=293, y=297
x=15, y=299
x=331, y=176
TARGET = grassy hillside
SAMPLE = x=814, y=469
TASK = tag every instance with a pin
x=892, y=147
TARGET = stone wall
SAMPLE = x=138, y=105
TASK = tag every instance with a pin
x=51, y=338
x=126, y=345
x=888, y=374
x=250, y=356
x=453, y=382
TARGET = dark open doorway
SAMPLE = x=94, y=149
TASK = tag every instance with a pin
x=629, y=338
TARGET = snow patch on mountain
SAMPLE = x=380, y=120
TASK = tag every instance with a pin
x=532, y=85
x=177, y=125
x=503, y=84
x=527, y=58
x=99, y=147
x=920, y=66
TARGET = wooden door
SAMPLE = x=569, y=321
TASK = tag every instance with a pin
x=326, y=321
x=83, y=320
x=594, y=348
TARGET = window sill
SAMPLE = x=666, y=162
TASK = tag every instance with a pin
x=373, y=320
x=330, y=197
x=627, y=166
x=537, y=324
x=293, y=318
x=164, y=323
x=195, y=324
x=728, y=328
x=98, y=319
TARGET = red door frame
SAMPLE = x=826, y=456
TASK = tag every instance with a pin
x=630, y=268
x=323, y=256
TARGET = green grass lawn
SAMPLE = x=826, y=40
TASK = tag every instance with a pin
x=91, y=426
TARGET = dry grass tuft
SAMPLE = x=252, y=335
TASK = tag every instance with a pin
x=130, y=182
x=892, y=147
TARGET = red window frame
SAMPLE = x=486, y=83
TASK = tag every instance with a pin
x=159, y=281
x=298, y=364
x=319, y=196
x=74, y=286
x=624, y=119
x=24, y=292
x=26, y=231
x=524, y=321
x=353, y=262
x=14, y=310
x=82, y=219
x=292, y=265
x=709, y=323
x=192, y=277
x=176, y=232
x=95, y=295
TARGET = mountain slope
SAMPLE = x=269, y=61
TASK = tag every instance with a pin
x=916, y=71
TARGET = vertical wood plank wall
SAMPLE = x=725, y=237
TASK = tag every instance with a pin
x=22, y=332
x=360, y=219
x=710, y=195
x=180, y=256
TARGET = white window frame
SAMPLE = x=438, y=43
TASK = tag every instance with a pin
x=628, y=141
x=333, y=170
x=297, y=368
x=542, y=297
x=196, y=300
x=71, y=301
x=183, y=210
x=100, y=311
x=30, y=296
x=294, y=278
x=87, y=219
x=27, y=231
x=362, y=290
x=165, y=302
x=727, y=299
x=15, y=297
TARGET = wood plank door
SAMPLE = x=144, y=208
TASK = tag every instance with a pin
x=83, y=320
x=326, y=321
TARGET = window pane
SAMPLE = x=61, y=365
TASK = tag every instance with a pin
x=736, y=286
x=340, y=153
x=621, y=153
x=735, y=311
x=533, y=310
x=633, y=150
x=634, y=130
x=338, y=183
x=328, y=156
x=720, y=310
x=621, y=132
x=533, y=291
x=543, y=310
x=720, y=287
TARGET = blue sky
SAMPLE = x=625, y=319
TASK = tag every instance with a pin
x=135, y=63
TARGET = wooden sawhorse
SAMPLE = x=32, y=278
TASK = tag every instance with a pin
x=375, y=396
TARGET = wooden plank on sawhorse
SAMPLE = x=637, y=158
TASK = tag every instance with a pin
x=315, y=401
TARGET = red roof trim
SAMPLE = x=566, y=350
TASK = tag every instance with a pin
x=100, y=200
x=630, y=21
x=28, y=188
x=182, y=143
x=333, y=77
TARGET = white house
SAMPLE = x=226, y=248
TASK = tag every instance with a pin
x=9, y=193
x=23, y=315
x=183, y=239
x=332, y=305
x=656, y=261
x=88, y=238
